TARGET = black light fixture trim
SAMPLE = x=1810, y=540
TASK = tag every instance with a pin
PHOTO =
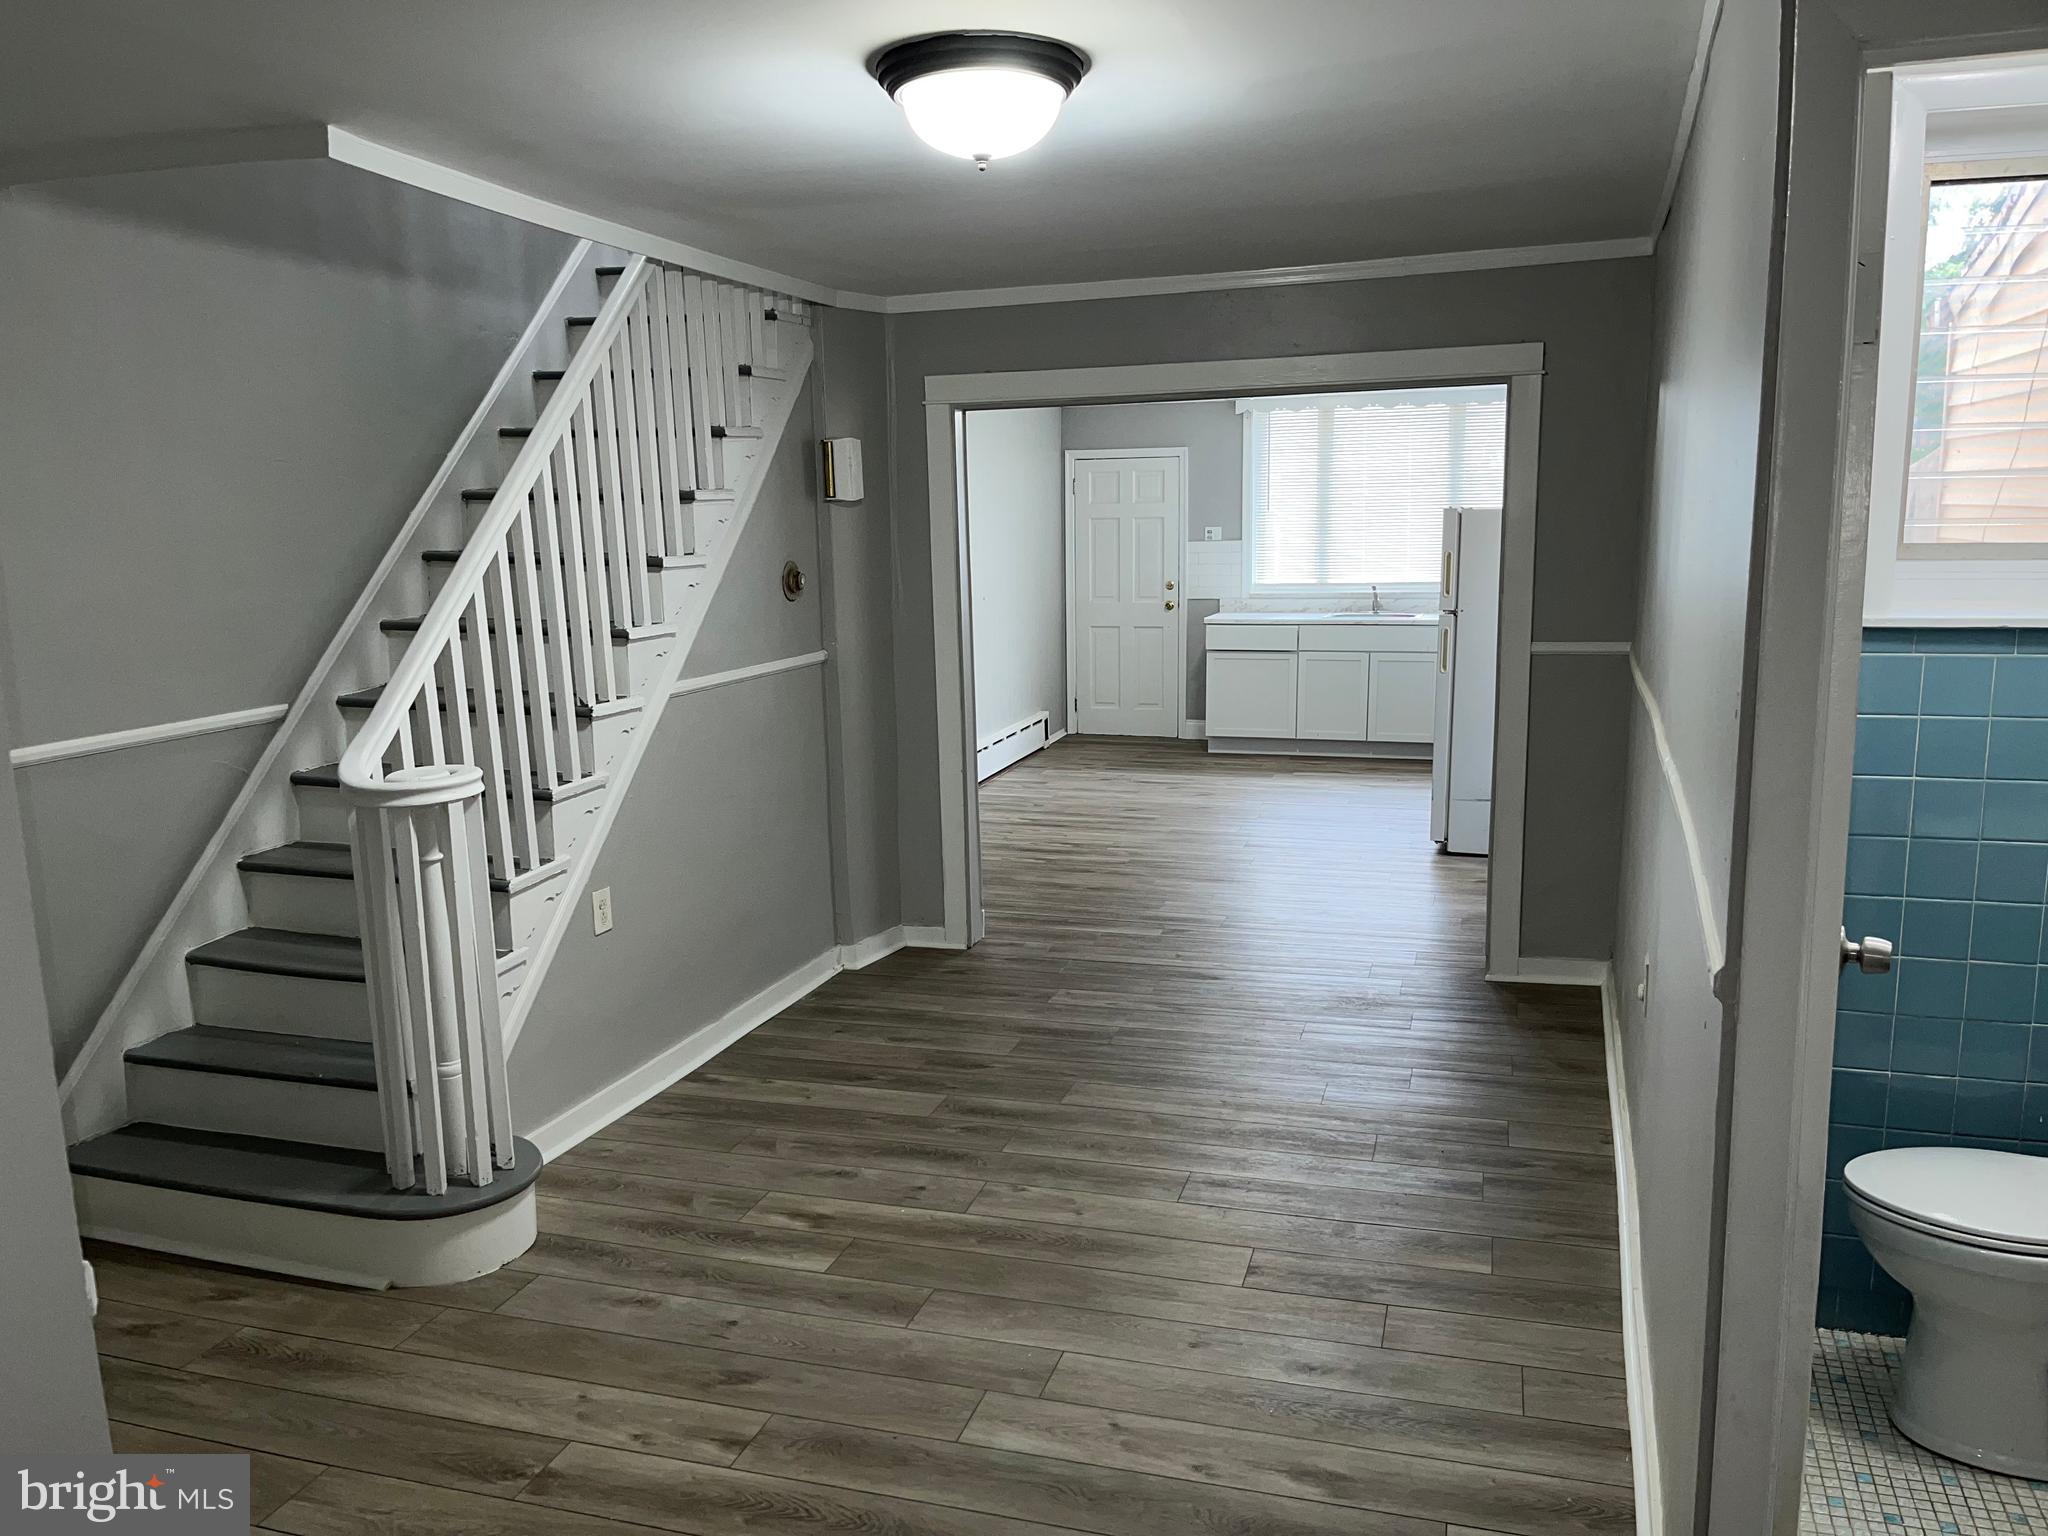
x=915, y=57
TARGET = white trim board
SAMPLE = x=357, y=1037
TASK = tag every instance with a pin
x=586, y=1118
x=308, y=141
x=1635, y=1325
x=949, y=396
x=1711, y=934
x=1564, y=971
x=746, y=674
x=147, y=735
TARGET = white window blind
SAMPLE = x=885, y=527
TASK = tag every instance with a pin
x=1978, y=471
x=1346, y=492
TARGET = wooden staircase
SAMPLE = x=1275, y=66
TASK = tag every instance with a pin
x=326, y=1106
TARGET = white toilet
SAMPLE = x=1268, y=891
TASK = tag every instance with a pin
x=1966, y=1231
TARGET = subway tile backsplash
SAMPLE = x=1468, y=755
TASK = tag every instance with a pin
x=1948, y=858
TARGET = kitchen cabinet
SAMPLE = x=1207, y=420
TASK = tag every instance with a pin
x=1320, y=683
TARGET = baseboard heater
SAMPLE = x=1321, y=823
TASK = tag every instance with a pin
x=1012, y=745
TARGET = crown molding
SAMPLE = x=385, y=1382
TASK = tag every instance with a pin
x=1269, y=277
x=318, y=141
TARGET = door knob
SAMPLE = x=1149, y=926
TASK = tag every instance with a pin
x=1871, y=956
x=1169, y=586
x=1169, y=605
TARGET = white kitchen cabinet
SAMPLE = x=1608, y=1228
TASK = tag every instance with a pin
x=1331, y=695
x=1402, y=697
x=1252, y=693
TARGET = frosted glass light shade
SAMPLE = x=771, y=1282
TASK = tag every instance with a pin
x=983, y=112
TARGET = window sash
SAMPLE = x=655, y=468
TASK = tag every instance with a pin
x=1346, y=494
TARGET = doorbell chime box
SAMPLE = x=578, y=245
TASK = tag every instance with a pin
x=842, y=469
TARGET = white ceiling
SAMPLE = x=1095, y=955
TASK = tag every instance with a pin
x=1212, y=135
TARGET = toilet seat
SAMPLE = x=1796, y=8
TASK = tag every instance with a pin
x=1969, y=1195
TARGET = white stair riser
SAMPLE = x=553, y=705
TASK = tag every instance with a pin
x=292, y=1005
x=306, y=904
x=633, y=660
x=346, y=1250
x=301, y=903
x=323, y=814
x=256, y=1106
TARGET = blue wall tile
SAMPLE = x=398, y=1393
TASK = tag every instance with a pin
x=1948, y=857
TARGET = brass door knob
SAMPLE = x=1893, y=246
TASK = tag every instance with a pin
x=792, y=581
x=1169, y=605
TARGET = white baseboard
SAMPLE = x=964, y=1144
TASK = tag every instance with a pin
x=1194, y=730
x=1562, y=972
x=1635, y=1334
x=593, y=1114
x=926, y=936
x=862, y=953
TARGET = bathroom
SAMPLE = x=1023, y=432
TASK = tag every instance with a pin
x=1936, y=1216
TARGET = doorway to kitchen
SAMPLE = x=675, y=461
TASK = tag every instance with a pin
x=1293, y=562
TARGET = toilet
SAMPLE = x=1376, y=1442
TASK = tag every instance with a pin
x=1966, y=1231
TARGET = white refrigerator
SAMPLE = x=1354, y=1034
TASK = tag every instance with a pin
x=1461, y=776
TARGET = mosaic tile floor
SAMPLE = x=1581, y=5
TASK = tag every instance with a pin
x=1862, y=1476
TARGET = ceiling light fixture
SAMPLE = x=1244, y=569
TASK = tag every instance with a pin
x=980, y=95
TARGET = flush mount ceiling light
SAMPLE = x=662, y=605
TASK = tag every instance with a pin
x=980, y=95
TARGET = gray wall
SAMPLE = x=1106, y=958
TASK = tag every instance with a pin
x=857, y=556
x=1213, y=434
x=1593, y=319
x=52, y=1402
x=222, y=390
x=1017, y=567
x=719, y=862
x=1713, y=269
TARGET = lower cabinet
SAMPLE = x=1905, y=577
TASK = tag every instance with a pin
x=1252, y=692
x=1331, y=696
x=1360, y=683
x=1402, y=697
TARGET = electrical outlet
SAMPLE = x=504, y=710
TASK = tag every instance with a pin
x=601, y=910
x=1643, y=986
x=1212, y=535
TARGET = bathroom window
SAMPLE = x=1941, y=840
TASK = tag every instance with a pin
x=1345, y=493
x=1977, y=471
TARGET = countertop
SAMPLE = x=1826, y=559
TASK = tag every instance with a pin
x=1322, y=618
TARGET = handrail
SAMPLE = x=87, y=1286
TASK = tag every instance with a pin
x=486, y=710
x=362, y=764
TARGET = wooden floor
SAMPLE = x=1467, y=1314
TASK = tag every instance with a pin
x=1214, y=1193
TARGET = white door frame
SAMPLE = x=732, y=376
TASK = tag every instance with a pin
x=948, y=396
x=1797, y=742
x=1180, y=609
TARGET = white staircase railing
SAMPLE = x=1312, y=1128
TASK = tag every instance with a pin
x=483, y=708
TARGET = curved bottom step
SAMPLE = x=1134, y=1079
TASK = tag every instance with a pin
x=322, y=1213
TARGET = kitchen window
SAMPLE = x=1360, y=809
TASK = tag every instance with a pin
x=1347, y=493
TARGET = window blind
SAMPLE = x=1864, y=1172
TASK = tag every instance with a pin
x=1351, y=491
x=1978, y=472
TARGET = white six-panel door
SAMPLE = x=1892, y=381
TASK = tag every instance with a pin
x=1124, y=636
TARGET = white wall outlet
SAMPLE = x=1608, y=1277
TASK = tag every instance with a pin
x=1212, y=535
x=601, y=910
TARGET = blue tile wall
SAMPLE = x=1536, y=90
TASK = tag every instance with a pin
x=1948, y=858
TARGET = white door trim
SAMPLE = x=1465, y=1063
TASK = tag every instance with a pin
x=947, y=396
x=1180, y=698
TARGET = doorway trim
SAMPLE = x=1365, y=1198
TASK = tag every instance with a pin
x=1071, y=459
x=949, y=396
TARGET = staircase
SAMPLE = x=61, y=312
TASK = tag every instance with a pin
x=325, y=1093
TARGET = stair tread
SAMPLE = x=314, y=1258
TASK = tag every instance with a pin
x=411, y=624
x=366, y=698
x=487, y=493
x=328, y=776
x=262, y=1053
x=283, y=952
x=748, y=432
x=323, y=861
x=337, y=1180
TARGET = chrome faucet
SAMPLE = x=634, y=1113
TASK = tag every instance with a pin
x=1376, y=608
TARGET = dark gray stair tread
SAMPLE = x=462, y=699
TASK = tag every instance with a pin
x=262, y=1053
x=366, y=698
x=581, y=320
x=281, y=952
x=450, y=556
x=735, y=432
x=322, y=861
x=515, y=431
x=611, y=271
x=550, y=375
x=328, y=776
x=288, y=1173
x=487, y=493
x=411, y=625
